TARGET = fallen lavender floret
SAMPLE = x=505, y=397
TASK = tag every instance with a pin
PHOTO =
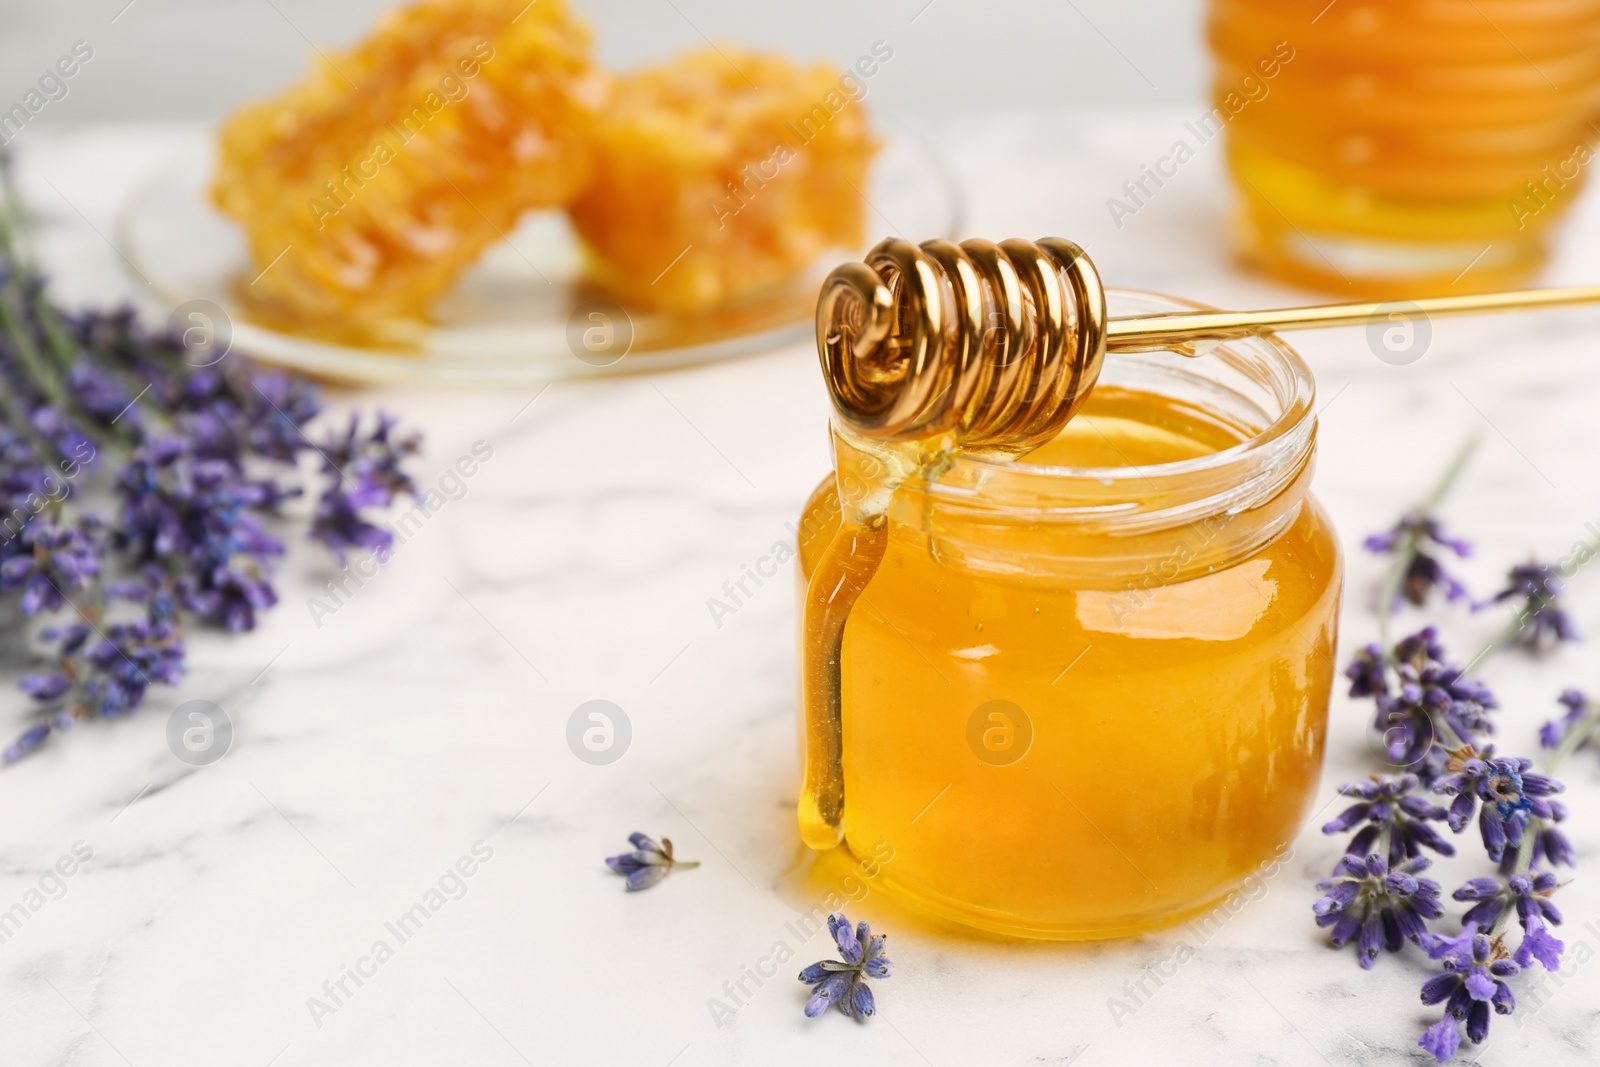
x=843, y=983
x=648, y=863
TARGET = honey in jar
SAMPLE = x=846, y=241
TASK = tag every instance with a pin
x=1083, y=693
x=1407, y=147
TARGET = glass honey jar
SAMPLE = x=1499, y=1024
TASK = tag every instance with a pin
x=1084, y=691
x=1408, y=147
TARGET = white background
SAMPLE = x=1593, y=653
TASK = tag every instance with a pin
x=199, y=58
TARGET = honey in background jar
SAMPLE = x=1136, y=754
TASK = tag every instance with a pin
x=1409, y=147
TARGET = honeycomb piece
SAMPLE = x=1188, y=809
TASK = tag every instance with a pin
x=752, y=164
x=366, y=189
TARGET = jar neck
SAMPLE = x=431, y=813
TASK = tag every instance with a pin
x=1034, y=524
x=1093, y=527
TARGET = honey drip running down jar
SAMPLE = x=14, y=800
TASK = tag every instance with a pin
x=1082, y=691
x=1408, y=147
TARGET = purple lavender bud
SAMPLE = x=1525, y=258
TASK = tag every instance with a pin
x=1441, y=1039
x=813, y=974
x=30, y=739
x=648, y=863
x=44, y=687
x=646, y=876
x=829, y=991
x=1538, y=944
x=861, y=1003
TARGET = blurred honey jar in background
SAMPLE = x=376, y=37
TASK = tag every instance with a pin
x=1409, y=147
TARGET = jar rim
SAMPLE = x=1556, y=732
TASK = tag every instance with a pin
x=1262, y=375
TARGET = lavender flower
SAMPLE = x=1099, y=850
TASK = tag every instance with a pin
x=1382, y=908
x=196, y=458
x=51, y=563
x=843, y=983
x=1546, y=842
x=131, y=657
x=1368, y=672
x=1528, y=894
x=1575, y=729
x=1538, y=943
x=1431, y=699
x=1410, y=542
x=1541, y=623
x=364, y=471
x=1435, y=721
x=44, y=686
x=340, y=524
x=648, y=863
x=1387, y=807
x=194, y=517
x=282, y=406
x=1475, y=969
x=1510, y=792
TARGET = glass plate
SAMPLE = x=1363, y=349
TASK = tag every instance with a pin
x=510, y=319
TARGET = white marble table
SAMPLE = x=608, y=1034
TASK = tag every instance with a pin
x=429, y=713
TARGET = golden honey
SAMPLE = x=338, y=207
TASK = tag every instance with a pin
x=1084, y=693
x=367, y=189
x=1409, y=146
x=719, y=175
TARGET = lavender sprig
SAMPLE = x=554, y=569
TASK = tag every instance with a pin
x=1414, y=543
x=364, y=471
x=1435, y=722
x=1528, y=894
x=1476, y=963
x=139, y=479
